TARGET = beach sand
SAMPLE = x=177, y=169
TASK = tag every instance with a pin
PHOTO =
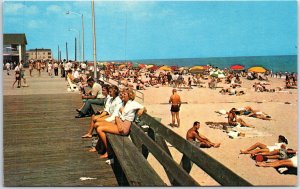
x=201, y=106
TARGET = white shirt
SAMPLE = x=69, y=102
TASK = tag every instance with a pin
x=17, y=68
x=7, y=65
x=76, y=74
x=68, y=66
x=129, y=110
x=96, y=88
x=83, y=65
x=112, y=107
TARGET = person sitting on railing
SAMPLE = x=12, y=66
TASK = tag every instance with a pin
x=202, y=141
x=123, y=121
x=111, y=110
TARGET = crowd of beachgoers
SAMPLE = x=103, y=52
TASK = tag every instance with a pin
x=115, y=89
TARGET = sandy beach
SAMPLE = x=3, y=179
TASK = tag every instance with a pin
x=201, y=106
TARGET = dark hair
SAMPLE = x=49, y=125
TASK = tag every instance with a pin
x=115, y=88
x=90, y=79
x=282, y=139
x=106, y=86
x=196, y=123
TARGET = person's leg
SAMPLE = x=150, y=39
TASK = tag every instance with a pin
x=173, y=118
x=14, y=83
x=86, y=107
x=243, y=123
x=256, y=145
x=107, y=128
x=279, y=163
x=178, y=119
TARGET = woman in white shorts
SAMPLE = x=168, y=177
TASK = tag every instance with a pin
x=259, y=147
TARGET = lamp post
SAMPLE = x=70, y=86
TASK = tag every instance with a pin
x=72, y=29
x=82, y=25
x=94, y=40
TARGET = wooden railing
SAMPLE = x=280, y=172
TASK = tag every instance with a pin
x=154, y=141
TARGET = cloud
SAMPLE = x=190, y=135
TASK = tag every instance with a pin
x=33, y=24
x=54, y=9
x=19, y=9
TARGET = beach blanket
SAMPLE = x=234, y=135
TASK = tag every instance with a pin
x=217, y=125
x=250, y=132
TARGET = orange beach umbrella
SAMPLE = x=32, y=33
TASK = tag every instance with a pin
x=257, y=69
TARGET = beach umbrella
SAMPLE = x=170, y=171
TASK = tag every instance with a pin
x=197, y=69
x=135, y=65
x=142, y=66
x=149, y=66
x=257, y=69
x=165, y=68
x=237, y=67
x=122, y=66
x=217, y=74
x=154, y=67
x=174, y=68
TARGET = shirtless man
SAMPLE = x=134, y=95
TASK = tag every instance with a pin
x=234, y=121
x=202, y=141
x=175, y=107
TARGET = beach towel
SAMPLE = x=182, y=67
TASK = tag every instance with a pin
x=218, y=125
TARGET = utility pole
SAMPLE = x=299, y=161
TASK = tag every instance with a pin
x=94, y=41
x=67, y=51
x=58, y=53
x=75, y=50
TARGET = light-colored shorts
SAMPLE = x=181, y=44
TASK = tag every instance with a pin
x=294, y=161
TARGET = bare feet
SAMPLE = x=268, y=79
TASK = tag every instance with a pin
x=243, y=152
x=93, y=149
x=217, y=145
x=86, y=136
x=261, y=164
x=104, y=156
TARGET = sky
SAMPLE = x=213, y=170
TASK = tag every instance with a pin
x=130, y=30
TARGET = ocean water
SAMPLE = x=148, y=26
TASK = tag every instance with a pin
x=286, y=63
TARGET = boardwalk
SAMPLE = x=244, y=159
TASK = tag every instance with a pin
x=42, y=144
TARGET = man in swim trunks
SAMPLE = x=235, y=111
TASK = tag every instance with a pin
x=203, y=142
x=175, y=107
x=234, y=121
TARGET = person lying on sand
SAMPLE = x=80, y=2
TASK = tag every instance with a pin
x=202, y=142
x=260, y=147
x=281, y=153
x=291, y=162
x=234, y=121
x=260, y=115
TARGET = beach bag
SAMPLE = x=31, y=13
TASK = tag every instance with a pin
x=260, y=158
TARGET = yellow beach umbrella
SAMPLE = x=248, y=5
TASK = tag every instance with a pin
x=165, y=68
x=197, y=68
x=257, y=69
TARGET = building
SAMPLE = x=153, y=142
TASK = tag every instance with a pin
x=14, y=47
x=39, y=54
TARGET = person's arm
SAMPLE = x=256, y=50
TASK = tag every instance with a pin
x=170, y=100
x=141, y=111
x=179, y=102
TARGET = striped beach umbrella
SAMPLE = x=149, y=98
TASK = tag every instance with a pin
x=257, y=69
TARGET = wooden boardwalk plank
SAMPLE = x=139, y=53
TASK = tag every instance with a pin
x=42, y=144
